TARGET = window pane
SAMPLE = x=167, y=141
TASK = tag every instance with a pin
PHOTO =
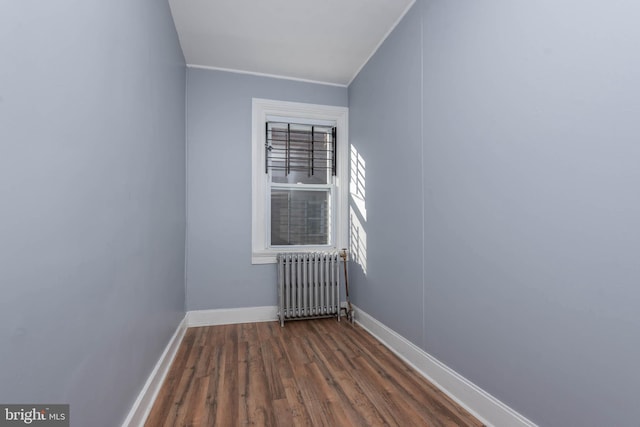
x=300, y=217
x=300, y=154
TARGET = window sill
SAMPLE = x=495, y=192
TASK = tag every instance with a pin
x=264, y=258
x=271, y=256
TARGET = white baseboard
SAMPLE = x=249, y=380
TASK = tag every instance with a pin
x=228, y=316
x=142, y=406
x=478, y=402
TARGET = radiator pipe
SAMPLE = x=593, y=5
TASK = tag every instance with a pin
x=343, y=255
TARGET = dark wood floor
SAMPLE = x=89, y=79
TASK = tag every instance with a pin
x=310, y=373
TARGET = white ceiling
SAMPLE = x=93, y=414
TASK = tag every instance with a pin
x=325, y=41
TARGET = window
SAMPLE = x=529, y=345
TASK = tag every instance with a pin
x=300, y=168
x=299, y=178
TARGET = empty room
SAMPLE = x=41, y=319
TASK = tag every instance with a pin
x=387, y=212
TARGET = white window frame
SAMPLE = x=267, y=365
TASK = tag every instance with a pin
x=264, y=110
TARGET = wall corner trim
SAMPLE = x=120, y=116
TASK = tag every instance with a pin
x=144, y=402
x=485, y=407
x=228, y=316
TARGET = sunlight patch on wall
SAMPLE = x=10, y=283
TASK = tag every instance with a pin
x=358, y=241
x=357, y=186
x=358, y=210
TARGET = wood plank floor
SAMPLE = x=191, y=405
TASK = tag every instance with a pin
x=309, y=373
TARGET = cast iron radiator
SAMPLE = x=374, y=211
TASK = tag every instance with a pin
x=309, y=285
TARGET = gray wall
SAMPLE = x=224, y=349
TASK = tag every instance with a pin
x=219, y=270
x=92, y=201
x=384, y=113
x=529, y=150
